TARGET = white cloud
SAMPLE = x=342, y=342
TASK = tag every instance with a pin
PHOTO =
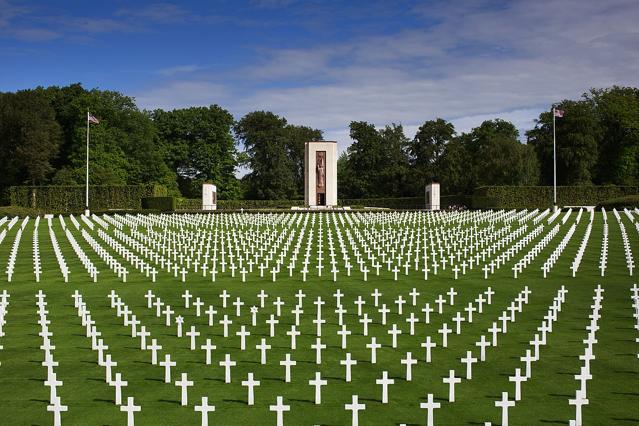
x=178, y=69
x=477, y=63
x=182, y=94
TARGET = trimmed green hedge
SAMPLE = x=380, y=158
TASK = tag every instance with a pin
x=164, y=204
x=532, y=197
x=391, y=203
x=70, y=199
x=188, y=203
x=629, y=201
x=258, y=204
x=12, y=211
x=196, y=204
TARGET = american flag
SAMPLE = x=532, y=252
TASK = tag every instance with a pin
x=92, y=119
x=558, y=112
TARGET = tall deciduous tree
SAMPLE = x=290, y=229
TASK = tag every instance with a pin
x=376, y=164
x=198, y=146
x=617, y=110
x=578, y=133
x=456, y=168
x=123, y=148
x=499, y=157
x=296, y=136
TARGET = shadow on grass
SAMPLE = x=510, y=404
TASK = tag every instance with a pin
x=308, y=401
x=238, y=401
x=626, y=393
x=214, y=379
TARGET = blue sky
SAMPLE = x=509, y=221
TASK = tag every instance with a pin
x=323, y=63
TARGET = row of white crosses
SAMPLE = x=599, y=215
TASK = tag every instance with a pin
x=153, y=301
x=531, y=355
x=37, y=266
x=538, y=248
x=138, y=262
x=105, y=360
x=574, y=267
x=4, y=308
x=507, y=316
x=13, y=254
x=630, y=262
x=384, y=381
x=59, y=257
x=91, y=269
x=129, y=256
x=241, y=244
x=467, y=361
x=554, y=256
x=55, y=404
x=3, y=233
x=405, y=241
x=107, y=257
x=274, y=272
x=634, y=296
x=139, y=330
x=603, y=258
x=581, y=394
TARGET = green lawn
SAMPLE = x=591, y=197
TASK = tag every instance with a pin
x=613, y=392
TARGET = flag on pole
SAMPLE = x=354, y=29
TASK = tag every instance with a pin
x=93, y=120
x=558, y=112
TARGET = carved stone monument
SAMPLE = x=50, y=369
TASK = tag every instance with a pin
x=209, y=196
x=320, y=174
x=432, y=196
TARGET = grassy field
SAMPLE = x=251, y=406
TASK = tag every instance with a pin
x=613, y=392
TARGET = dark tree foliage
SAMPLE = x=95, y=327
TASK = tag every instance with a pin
x=29, y=138
x=275, y=153
x=198, y=147
x=426, y=150
x=376, y=163
x=597, y=139
x=43, y=141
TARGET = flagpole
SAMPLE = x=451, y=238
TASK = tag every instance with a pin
x=87, y=173
x=554, y=160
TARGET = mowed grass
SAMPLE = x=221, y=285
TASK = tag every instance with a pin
x=613, y=392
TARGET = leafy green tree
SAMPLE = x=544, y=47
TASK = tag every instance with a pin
x=123, y=148
x=617, y=110
x=498, y=157
x=427, y=149
x=529, y=172
x=296, y=137
x=456, y=165
x=393, y=179
x=272, y=173
x=198, y=147
x=578, y=133
x=29, y=138
x=376, y=163
x=275, y=155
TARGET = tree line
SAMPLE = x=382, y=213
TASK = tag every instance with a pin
x=43, y=142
